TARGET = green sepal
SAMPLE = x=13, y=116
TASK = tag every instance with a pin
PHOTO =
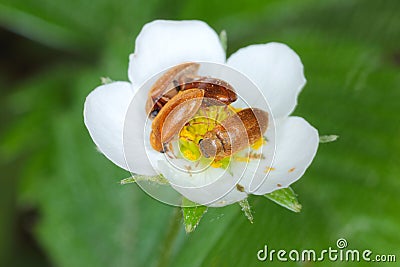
x=328, y=138
x=159, y=179
x=192, y=214
x=223, y=38
x=285, y=197
x=244, y=204
x=106, y=80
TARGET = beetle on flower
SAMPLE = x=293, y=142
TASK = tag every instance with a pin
x=115, y=115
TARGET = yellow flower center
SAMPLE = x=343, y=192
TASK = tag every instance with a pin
x=189, y=137
x=205, y=120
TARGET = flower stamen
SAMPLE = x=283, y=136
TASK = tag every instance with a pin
x=204, y=121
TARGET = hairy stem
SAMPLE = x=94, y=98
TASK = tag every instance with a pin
x=172, y=234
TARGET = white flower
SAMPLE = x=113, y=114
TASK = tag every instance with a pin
x=273, y=67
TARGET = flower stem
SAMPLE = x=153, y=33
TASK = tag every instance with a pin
x=172, y=234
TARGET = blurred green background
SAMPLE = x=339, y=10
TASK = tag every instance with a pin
x=60, y=201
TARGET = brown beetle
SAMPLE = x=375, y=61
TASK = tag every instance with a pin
x=177, y=96
x=174, y=115
x=167, y=86
x=235, y=133
x=214, y=89
x=183, y=77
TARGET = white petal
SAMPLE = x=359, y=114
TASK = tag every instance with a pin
x=213, y=187
x=139, y=155
x=232, y=197
x=296, y=145
x=104, y=115
x=162, y=44
x=276, y=69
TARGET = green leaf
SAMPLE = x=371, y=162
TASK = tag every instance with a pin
x=285, y=197
x=54, y=25
x=159, y=179
x=328, y=138
x=106, y=80
x=223, y=38
x=192, y=214
x=244, y=204
x=350, y=190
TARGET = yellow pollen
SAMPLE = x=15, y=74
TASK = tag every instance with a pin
x=216, y=164
x=242, y=159
x=268, y=169
x=187, y=134
x=189, y=155
x=236, y=110
x=292, y=169
x=259, y=143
